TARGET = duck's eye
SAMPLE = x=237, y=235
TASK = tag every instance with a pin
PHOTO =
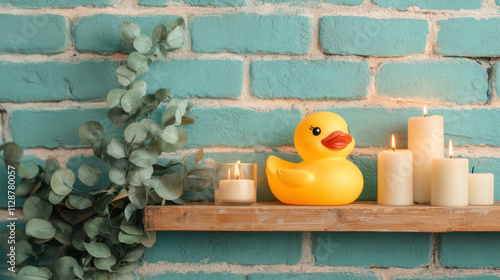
x=316, y=130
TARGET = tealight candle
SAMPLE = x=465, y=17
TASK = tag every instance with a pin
x=395, y=177
x=449, y=183
x=235, y=183
x=426, y=141
x=481, y=188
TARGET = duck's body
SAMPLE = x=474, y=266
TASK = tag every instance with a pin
x=325, y=177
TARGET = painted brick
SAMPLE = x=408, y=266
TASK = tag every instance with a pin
x=198, y=78
x=56, y=3
x=214, y=247
x=460, y=277
x=243, y=128
x=368, y=167
x=316, y=276
x=251, y=33
x=90, y=36
x=53, y=128
x=430, y=4
x=495, y=77
x=87, y=80
x=318, y=79
x=456, y=80
x=4, y=186
x=215, y=3
x=468, y=37
x=464, y=126
x=197, y=276
x=386, y=249
x=470, y=249
x=348, y=35
x=33, y=34
x=314, y=2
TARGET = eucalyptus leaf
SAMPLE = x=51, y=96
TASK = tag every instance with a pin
x=125, y=75
x=28, y=170
x=143, y=43
x=114, y=97
x=51, y=165
x=79, y=202
x=105, y=263
x=130, y=210
x=35, y=207
x=137, y=175
x=170, y=148
x=78, y=239
x=117, y=176
x=24, y=250
x=170, y=186
x=66, y=268
x=39, y=228
x=63, y=233
x=88, y=174
x=125, y=268
x=50, y=253
x=136, y=132
x=123, y=276
x=97, y=250
x=128, y=238
x=91, y=132
x=159, y=33
x=148, y=238
x=12, y=153
x=119, y=117
x=116, y=149
x=207, y=163
x=129, y=31
x=139, y=63
x=24, y=187
x=175, y=37
x=170, y=134
x=131, y=101
x=149, y=104
x=130, y=229
x=153, y=128
x=161, y=51
x=199, y=180
x=144, y=157
x=101, y=275
x=141, y=87
x=199, y=156
x=62, y=181
x=163, y=94
x=55, y=198
x=93, y=227
x=30, y=272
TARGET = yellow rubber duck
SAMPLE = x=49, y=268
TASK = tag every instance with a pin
x=325, y=176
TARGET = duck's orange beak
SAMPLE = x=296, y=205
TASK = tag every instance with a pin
x=337, y=140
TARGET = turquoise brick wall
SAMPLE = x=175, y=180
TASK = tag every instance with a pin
x=254, y=68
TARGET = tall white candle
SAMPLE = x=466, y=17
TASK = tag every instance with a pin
x=426, y=141
x=481, y=189
x=449, y=184
x=395, y=180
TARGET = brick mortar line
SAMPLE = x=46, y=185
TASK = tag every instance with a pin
x=150, y=269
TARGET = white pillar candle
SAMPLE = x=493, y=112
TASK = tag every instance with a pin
x=236, y=191
x=395, y=180
x=481, y=189
x=449, y=183
x=426, y=141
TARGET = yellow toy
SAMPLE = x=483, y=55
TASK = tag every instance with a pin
x=325, y=176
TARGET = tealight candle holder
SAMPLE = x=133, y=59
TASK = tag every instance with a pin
x=235, y=183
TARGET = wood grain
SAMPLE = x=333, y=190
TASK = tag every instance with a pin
x=360, y=216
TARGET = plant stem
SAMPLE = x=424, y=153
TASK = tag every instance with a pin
x=118, y=264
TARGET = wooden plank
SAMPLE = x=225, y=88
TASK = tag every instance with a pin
x=360, y=216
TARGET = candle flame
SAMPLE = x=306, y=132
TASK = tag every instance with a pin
x=229, y=173
x=237, y=170
x=393, y=143
x=425, y=111
x=450, y=149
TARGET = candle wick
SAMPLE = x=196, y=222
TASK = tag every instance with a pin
x=237, y=177
x=451, y=156
x=472, y=169
x=394, y=149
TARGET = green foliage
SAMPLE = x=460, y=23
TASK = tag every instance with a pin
x=99, y=233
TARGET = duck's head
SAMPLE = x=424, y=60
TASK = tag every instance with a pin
x=323, y=135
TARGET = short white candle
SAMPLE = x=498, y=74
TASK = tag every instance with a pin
x=481, y=189
x=426, y=141
x=236, y=191
x=395, y=179
x=449, y=183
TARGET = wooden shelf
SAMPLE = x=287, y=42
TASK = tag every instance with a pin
x=359, y=216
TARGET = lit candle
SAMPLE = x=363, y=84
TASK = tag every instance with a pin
x=395, y=182
x=426, y=141
x=236, y=190
x=449, y=183
x=481, y=188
